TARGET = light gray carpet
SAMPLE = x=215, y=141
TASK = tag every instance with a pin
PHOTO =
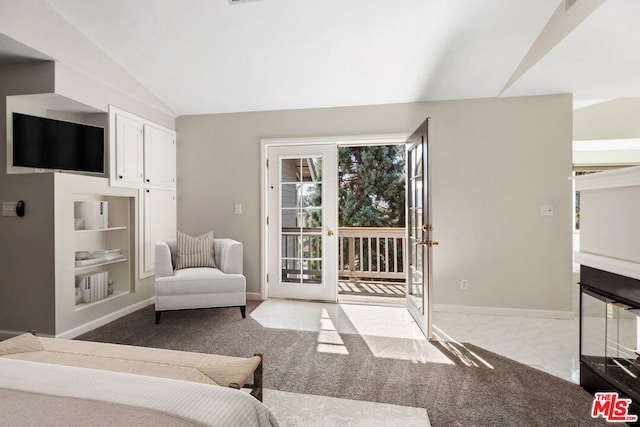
x=510, y=394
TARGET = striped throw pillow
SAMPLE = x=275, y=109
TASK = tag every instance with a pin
x=195, y=251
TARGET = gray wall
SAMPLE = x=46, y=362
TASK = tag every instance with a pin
x=495, y=162
x=26, y=244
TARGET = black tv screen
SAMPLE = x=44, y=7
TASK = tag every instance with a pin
x=44, y=143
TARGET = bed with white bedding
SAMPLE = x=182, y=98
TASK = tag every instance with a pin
x=35, y=393
x=49, y=381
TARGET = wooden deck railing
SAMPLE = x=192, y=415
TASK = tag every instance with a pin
x=371, y=253
x=364, y=253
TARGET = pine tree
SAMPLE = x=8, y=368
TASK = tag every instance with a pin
x=371, y=186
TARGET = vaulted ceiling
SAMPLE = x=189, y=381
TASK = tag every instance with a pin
x=209, y=56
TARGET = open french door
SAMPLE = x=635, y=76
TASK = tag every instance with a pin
x=302, y=223
x=419, y=229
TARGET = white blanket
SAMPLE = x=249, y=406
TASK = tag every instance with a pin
x=199, y=403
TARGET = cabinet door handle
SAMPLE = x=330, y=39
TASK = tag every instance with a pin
x=148, y=179
x=148, y=191
x=119, y=176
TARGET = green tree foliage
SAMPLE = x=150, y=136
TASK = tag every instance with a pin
x=371, y=189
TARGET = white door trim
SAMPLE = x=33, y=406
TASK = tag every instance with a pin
x=265, y=143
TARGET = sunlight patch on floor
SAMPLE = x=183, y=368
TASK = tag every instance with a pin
x=389, y=332
x=329, y=340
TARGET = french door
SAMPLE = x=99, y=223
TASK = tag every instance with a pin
x=419, y=229
x=302, y=222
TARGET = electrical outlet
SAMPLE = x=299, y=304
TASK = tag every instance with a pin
x=546, y=210
x=464, y=284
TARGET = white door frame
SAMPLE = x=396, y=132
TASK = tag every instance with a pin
x=265, y=143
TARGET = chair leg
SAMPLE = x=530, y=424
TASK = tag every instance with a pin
x=158, y=313
x=243, y=310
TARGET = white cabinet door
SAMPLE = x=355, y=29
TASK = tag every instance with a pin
x=159, y=223
x=159, y=157
x=128, y=146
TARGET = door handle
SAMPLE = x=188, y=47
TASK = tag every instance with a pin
x=429, y=243
x=329, y=233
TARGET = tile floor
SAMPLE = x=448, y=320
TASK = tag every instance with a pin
x=550, y=345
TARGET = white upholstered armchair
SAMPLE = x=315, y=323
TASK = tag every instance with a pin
x=200, y=287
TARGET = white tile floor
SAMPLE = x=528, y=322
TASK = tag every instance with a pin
x=550, y=345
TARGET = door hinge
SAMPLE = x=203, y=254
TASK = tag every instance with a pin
x=267, y=163
x=267, y=277
x=267, y=220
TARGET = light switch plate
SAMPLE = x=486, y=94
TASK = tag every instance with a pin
x=9, y=208
x=237, y=208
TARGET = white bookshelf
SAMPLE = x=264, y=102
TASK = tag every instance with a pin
x=119, y=233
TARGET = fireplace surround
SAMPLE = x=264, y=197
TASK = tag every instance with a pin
x=610, y=334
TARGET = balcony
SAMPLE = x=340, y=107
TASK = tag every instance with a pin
x=371, y=261
x=371, y=264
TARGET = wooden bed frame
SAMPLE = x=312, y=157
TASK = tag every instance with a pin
x=256, y=384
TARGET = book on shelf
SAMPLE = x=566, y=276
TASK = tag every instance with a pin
x=107, y=252
x=94, y=286
x=95, y=214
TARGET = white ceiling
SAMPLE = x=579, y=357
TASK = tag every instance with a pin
x=207, y=56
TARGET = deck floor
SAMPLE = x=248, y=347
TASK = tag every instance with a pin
x=371, y=292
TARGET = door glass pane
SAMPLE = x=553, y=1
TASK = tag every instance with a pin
x=311, y=195
x=416, y=230
x=290, y=195
x=310, y=169
x=301, y=216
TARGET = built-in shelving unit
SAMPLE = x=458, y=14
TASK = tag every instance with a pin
x=118, y=232
x=41, y=283
x=115, y=236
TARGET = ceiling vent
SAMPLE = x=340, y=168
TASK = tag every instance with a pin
x=240, y=1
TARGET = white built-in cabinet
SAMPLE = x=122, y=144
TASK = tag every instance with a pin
x=159, y=157
x=128, y=150
x=140, y=190
x=144, y=157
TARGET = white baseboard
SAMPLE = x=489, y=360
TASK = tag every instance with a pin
x=89, y=326
x=501, y=311
x=255, y=296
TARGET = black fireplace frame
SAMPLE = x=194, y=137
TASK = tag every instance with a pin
x=614, y=288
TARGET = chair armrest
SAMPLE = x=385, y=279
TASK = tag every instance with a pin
x=163, y=265
x=228, y=254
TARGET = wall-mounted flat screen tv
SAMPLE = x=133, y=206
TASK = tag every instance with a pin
x=40, y=142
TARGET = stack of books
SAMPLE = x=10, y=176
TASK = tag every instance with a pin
x=108, y=254
x=93, y=286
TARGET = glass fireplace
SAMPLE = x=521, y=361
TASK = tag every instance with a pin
x=609, y=333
